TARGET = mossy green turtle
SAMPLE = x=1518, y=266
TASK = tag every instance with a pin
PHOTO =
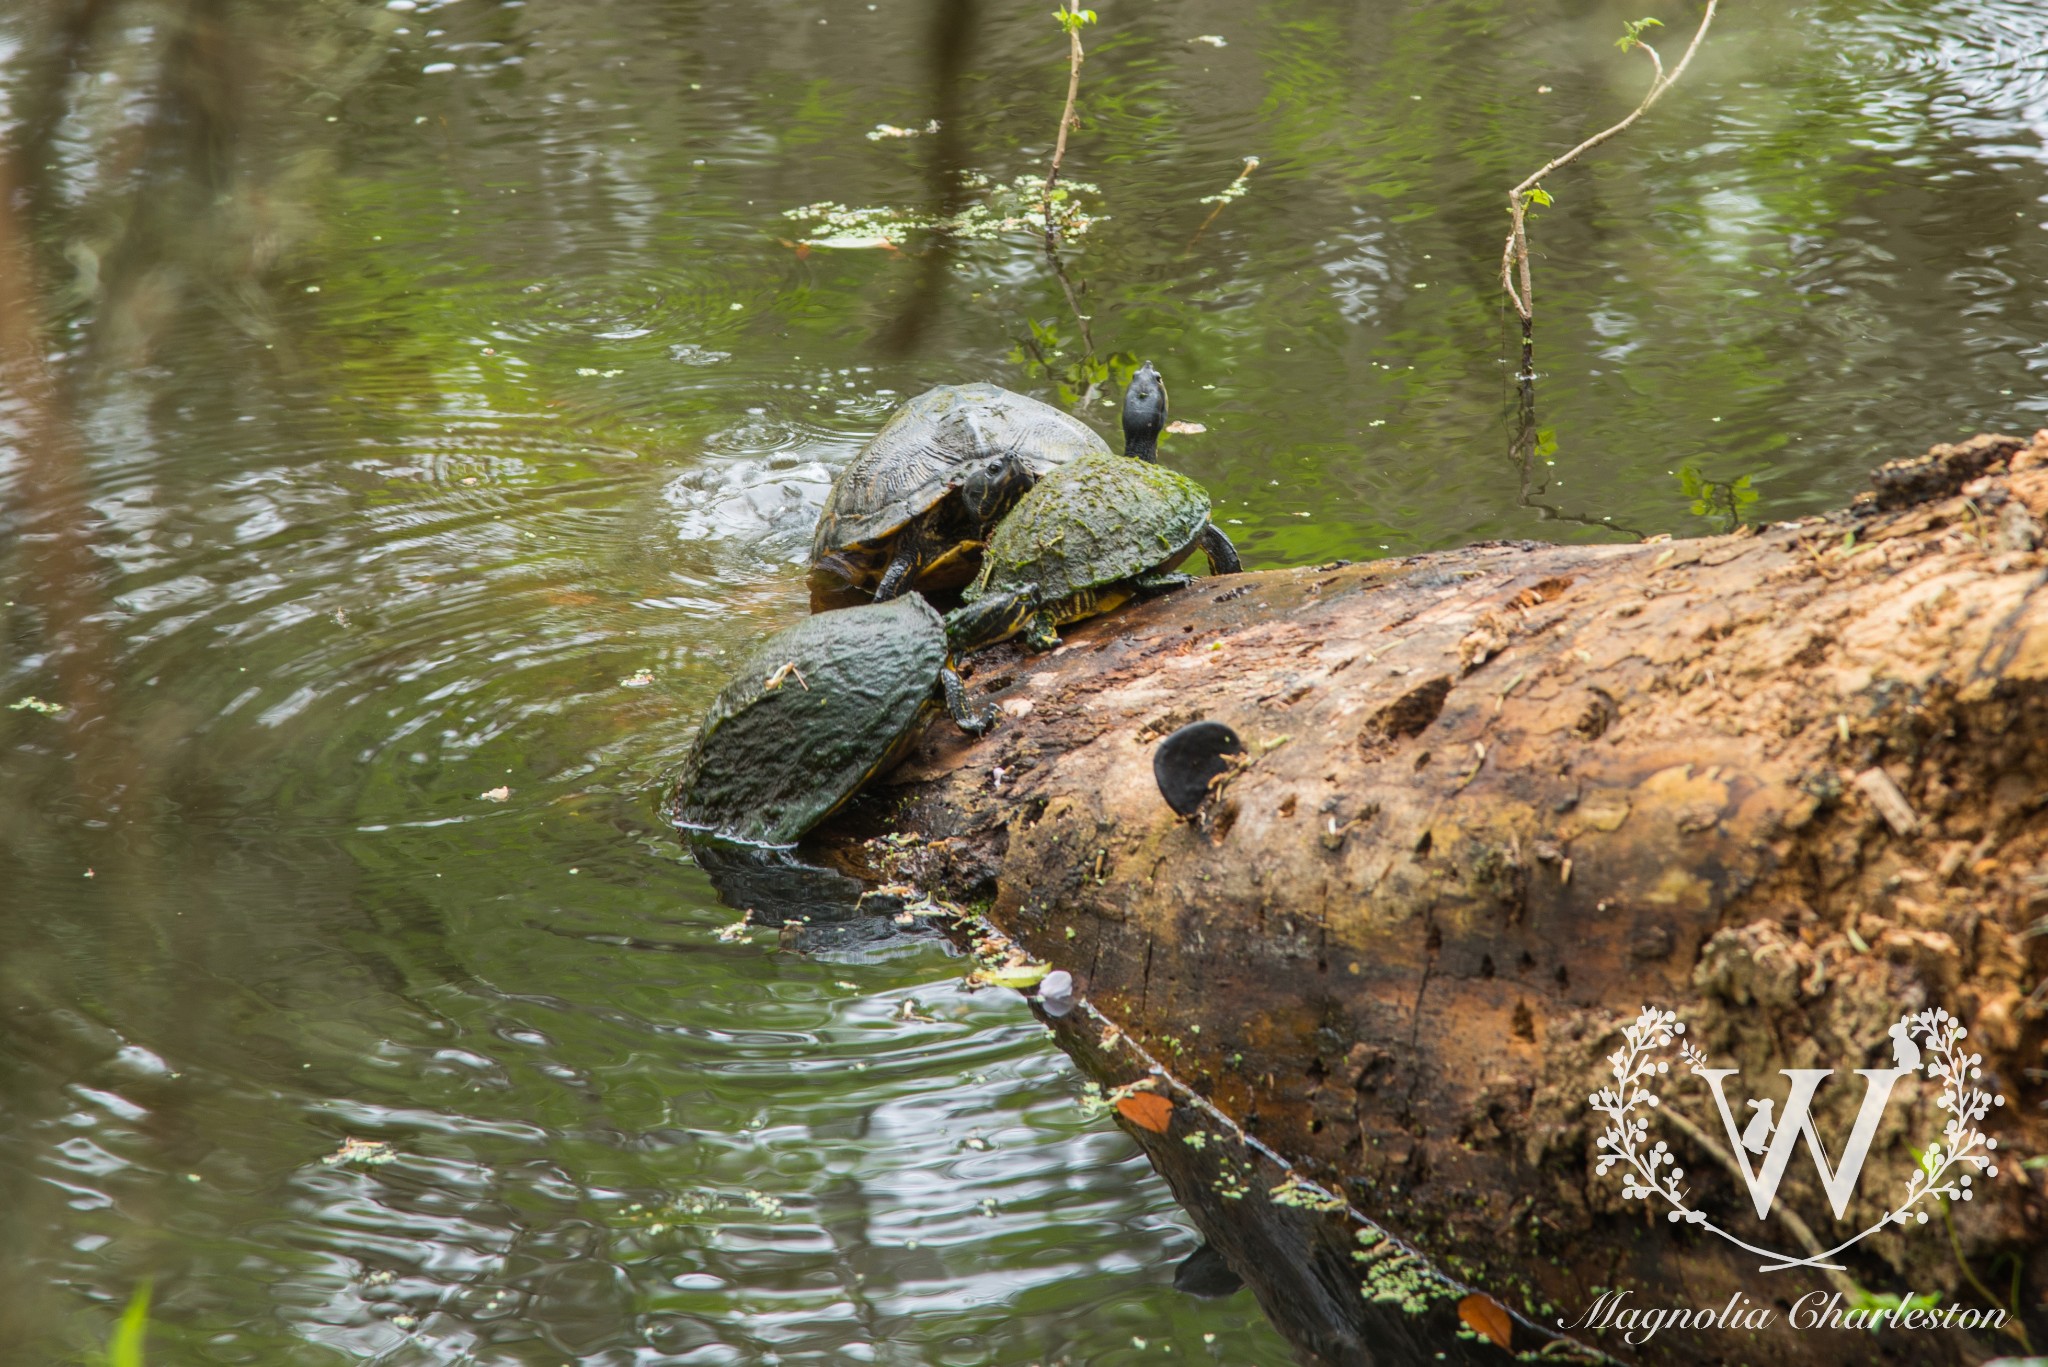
x=821, y=707
x=1102, y=529
x=918, y=502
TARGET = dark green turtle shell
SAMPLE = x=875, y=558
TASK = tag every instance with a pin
x=1095, y=520
x=770, y=763
x=921, y=452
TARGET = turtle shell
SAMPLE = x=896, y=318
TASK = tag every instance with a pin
x=1094, y=521
x=770, y=762
x=918, y=457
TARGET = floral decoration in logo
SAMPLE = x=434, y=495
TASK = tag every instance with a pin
x=1928, y=1042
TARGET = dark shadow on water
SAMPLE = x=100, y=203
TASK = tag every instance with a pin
x=818, y=908
x=775, y=885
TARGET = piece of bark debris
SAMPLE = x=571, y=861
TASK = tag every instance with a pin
x=1891, y=804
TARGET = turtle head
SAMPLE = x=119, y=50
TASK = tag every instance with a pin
x=992, y=485
x=1144, y=413
x=996, y=617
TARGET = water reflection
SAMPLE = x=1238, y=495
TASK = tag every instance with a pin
x=406, y=412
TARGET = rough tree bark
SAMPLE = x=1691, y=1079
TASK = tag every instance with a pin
x=1787, y=783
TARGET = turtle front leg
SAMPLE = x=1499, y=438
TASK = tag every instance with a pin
x=1162, y=582
x=965, y=717
x=1221, y=554
x=1041, y=632
x=905, y=562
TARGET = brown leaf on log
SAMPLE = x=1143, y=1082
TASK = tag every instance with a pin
x=1486, y=1316
x=1147, y=1109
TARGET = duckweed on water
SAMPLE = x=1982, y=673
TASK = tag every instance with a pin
x=1002, y=209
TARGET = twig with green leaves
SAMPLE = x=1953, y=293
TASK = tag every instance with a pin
x=1235, y=190
x=1072, y=18
x=1514, y=259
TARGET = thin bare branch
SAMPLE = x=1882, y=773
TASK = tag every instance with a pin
x=1515, y=255
x=1071, y=20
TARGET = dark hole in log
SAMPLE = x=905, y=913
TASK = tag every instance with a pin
x=1422, y=845
x=1522, y=1025
x=1813, y=652
x=1408, y=715
x=1599, y=714
x=1486, y=966
x=1435, y=940
x=1564, y=978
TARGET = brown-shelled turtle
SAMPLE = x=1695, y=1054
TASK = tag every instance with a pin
x=918, y=502
x=1102, y=529
x=821, y=707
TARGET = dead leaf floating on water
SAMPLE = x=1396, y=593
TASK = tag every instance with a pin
x=369, y=1152
x=499, y=794
x=1487, y=1317
x=890, y=130
x=638, y=679
x=1147, y=1110
x=1186, y=427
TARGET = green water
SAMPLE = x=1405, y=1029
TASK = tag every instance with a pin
x=404, y=403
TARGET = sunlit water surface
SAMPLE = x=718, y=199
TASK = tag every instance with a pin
x=442, y=394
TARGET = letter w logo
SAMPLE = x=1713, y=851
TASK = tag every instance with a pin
x=1797, y=1120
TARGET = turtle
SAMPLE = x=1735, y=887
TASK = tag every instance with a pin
x=822, y=706
x=919, y=500
x=1102, y=529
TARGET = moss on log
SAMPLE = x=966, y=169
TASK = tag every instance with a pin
x=1788, y=783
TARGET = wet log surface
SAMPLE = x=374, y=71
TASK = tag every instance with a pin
x=1787, y=783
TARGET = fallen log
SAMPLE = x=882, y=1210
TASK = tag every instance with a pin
x=1787, y=784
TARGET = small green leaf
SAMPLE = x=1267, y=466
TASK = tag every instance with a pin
x=1540, y=196
x=1633, y=32
x=125, y=1348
